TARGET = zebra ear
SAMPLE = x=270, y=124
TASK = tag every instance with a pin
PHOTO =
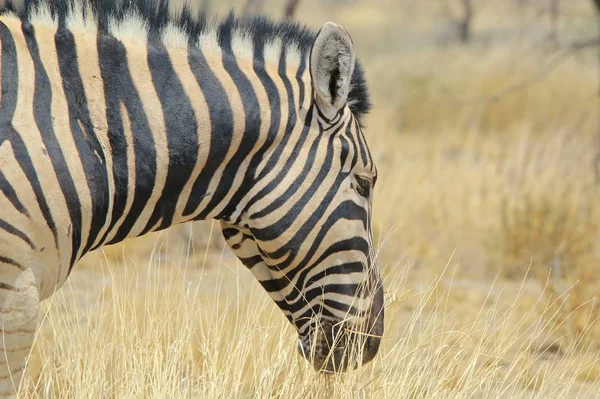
x=331, y=66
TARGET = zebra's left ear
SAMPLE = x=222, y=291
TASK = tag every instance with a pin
x=331, y=66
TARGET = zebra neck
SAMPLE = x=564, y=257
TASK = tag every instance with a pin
x=198, y=125
x=136, y=137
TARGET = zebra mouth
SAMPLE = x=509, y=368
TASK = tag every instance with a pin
x=335, y=345
x=332, y=348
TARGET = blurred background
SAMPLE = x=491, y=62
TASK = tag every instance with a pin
x=486, y=133
x=485, y=128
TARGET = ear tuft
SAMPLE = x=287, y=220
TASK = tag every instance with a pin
x=332, y=62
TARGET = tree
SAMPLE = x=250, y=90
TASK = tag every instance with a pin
x=554, y=16
x=597, y=5
x=290, y=8
x=253, y=7
x=206, y=7
x=464, y=25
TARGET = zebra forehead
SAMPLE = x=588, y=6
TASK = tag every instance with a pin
x=182, y=23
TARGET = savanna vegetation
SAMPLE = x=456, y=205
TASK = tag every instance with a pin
x=487, y=221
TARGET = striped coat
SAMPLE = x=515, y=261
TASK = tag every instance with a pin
x=124, y=119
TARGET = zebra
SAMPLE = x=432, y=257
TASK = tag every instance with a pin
x=118, y=119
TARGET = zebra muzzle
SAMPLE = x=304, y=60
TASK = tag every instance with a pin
x=334, y=347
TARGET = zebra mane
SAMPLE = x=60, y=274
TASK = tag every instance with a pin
x=183, y=23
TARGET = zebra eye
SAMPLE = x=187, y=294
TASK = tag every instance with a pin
x=364, y=186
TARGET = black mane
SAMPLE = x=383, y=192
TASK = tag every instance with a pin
x=259, y=29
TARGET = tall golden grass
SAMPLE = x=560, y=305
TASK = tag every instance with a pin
x=487, y=216
x=155, y=328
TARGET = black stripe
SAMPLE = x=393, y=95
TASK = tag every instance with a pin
x=251, y=261
x=299, y=77
x=352, y=139
x=273, y=231
x=340, y=306
x=274, y=101
x=181, y=130
x=346, y=268
x=10, y=229
x=356, y=243
x=286, y=169
x=350, y=290
x=10, y=76
x=270, y=88
x=361, y=143
x=321, y=292
x=10, y=193
x=369, y=156
x=245, y=237
x=119, y=89
x=88, y=146
x=272, y=285
x=229, y=232
x=336, y=119
x=346, y=210
x=309, y=315
x=301, y=179
x=42, y=114
x=252, y=123
x=292, y=115
x=4, y=286
x=322, y=115
x=221, y=118
x=8, y=104
x=343, y=269
x=8, y=261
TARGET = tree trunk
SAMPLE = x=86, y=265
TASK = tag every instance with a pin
x=464, y=26
x=554, y=16
x=252, y=7
x=290, y=9
x=206, y=7
x=597, y=5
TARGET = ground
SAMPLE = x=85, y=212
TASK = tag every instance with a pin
x=486, y=218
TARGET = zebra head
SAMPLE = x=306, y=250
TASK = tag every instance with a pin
x=306, y=234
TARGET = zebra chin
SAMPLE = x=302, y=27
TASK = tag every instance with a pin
x=336, y=346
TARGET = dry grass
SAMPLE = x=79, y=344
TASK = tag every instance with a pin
x=487, y=155
x=157, y=329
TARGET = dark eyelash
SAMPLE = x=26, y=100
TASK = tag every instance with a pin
x=364, y=186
